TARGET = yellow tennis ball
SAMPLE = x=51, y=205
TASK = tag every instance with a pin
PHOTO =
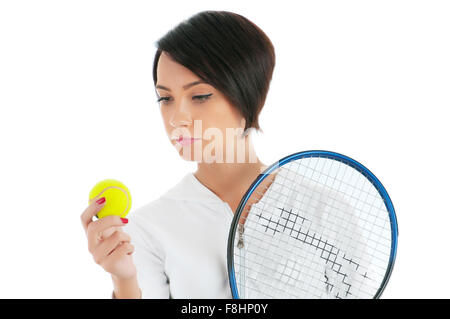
x=117, y=195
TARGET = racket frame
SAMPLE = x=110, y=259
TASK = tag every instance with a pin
x=323, y=154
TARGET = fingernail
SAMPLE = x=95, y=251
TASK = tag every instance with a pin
x=124, y=220
x=100, y=200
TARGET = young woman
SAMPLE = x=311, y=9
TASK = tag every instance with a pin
x=211, y=73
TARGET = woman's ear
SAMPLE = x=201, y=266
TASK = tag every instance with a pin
x=242, y=123
x=247, y=131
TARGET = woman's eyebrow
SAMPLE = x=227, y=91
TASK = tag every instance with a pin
x=185, y=87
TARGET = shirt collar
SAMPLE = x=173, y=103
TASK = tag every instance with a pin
x=191, y=189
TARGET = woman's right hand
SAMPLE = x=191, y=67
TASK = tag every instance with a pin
x=109, y=245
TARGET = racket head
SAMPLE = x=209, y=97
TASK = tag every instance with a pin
x=242, y=212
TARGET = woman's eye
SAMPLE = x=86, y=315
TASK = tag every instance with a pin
x=202, y=98
x=162, y=99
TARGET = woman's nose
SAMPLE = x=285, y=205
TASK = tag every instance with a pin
x=180, y=118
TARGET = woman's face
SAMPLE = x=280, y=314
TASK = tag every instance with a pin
x=199, y=120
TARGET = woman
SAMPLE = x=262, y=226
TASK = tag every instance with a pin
x=211, y=73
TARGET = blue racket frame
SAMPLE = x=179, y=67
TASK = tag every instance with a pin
x=325, y=154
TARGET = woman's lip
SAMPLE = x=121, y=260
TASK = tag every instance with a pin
x=186, y=140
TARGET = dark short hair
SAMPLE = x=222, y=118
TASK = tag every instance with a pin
x=229, y=52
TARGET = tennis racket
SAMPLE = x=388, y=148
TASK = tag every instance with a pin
x=315, y=224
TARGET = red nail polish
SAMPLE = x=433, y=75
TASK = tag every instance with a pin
x=100, y=200
x=124, y=220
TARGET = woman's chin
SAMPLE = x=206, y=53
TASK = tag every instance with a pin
x=195, y=154
x=199, y=158
x=187, y=154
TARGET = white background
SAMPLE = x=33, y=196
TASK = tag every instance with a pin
x=369, y=79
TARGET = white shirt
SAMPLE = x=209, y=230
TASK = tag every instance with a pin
x=180, y=242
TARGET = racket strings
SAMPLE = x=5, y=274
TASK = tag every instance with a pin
x=354, y=224
x=333, y=199
x=363, y=186
x=328, y=252
x=320, y=268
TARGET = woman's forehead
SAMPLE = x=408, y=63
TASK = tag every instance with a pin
x=168, y=68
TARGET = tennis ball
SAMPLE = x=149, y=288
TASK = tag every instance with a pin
x=117, y=195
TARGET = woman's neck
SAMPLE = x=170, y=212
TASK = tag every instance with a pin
x=229, y=181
